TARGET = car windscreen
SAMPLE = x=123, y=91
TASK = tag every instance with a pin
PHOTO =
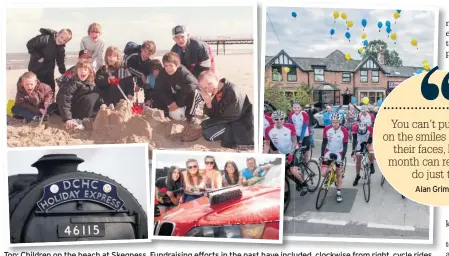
x=272, y=177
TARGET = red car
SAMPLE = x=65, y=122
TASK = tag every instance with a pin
x=251, y=212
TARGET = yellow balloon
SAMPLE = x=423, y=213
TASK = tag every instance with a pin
x=343, y=15
x=396, y=15
x=365, y=100
x=349, y=23
x=361, y=50
x=348, y=56
x=424, y=62
x=336, y=15
x=364, y=36
x=414, y=42
x=426, y=66
x=393, y=36
x=286, y=69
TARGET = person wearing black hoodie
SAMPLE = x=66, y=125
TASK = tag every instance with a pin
x=176, y=93
x=46, y=49
x=230, y=112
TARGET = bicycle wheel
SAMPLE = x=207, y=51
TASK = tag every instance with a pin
x=287, y=194
x=324, y=188
x=366, y=183
x=382, y=181
x=313, y=172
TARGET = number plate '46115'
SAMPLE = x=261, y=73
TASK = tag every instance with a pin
x=81, y=230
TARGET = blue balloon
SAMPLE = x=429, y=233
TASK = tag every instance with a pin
x=364, y=22
x=388, y=30
x=379, y=103
x=348, y=35
x=388, y=23
x=294, y=14
x=332, y=32
x=379, y=24
x=419, y=71
x=399, y=11
x=354, y=99
x=365, y=43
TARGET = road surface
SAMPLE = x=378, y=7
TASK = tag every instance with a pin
x=387, y=215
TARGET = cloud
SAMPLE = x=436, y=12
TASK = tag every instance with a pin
x=308, y=35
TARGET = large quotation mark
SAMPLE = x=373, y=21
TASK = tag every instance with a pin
x=431, y=91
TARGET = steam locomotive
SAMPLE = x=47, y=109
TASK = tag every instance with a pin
x=61, y=203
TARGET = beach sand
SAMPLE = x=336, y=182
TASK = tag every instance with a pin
x=118, y=125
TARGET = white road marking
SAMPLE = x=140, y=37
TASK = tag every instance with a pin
x=396, y=227
x=330, y=222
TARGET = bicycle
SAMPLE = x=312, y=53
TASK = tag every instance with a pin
x=382, y=181
x=366, y=172
x=331, y=177
x=307, y=173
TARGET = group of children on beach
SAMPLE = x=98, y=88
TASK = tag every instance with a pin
x=182, y=82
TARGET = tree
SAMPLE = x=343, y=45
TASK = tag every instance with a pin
x=304, y=94
x=276, y=96
x=391, y=58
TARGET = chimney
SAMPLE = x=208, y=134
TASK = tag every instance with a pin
x=380, y=57
x=53, y=164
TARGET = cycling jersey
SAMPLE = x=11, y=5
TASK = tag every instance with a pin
x=299, y=120
x=335, y=141
x=362, y=137
x=281, y=138
x=368, y=118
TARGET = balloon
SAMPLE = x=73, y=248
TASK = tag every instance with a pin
x=343, y=15
x=399, y=11
x=336, y=15
x=348, y=36
x=426, y=66
x=365, y=43
x=364, y=22
x=347, y=56
x=424, y=62
x=332, y=32
x=365, y=100
x=379, y=103
x=349, y=24
x=396, y=15
x=294, y=14
x=286, y=69
x=379, y=25
x=394, y=36
x=388, y=31
x=388, y=23
x=354, y=99
x=419, y=71
x=363, y=36
x=361, y=50
x=414, y=42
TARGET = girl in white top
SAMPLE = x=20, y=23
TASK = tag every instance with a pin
x=95, y=44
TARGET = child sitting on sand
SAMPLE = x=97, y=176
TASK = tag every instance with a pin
x=156, y=66
x=95, y=44
x=107, y=77
x=32, y=98
x=82, y=55
x=45, y=50
x=76, y=100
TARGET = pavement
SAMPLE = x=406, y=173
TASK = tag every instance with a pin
x=386, y=216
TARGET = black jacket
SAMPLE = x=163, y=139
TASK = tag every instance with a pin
x=174, y=88
x=232, y=107
x=109, y=93
x=44, y=46
x=195, y=56
x=137, y=67
x=71, y=92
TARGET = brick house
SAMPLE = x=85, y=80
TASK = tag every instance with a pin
x=335, y=80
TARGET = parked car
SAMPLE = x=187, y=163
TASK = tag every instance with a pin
x=232, y=212
x=319, y=116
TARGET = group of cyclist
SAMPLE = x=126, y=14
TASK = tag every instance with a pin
x=287, y=136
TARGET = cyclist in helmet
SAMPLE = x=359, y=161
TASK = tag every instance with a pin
x=362, y=135
x=365, y=116
x=300, y=119
x=335, y=141
x=283, y=137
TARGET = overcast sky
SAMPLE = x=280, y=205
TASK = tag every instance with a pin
x=308, y=35
x=167, y=159
x=126, y=165
x=121, y=25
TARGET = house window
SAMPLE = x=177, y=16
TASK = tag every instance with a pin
x=372, y=97
x=319, y=74
x=364, y=76
x=291, y=75
x=346, y=77
x=276, y=74
x=289, y=94
x=374, y=76
x=380, y=95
